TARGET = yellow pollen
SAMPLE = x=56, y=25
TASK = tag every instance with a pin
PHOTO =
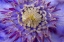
x=31, y=17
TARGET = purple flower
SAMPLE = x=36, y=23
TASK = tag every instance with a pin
x=31, y=20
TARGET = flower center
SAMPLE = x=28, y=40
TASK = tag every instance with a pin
x=31, y=17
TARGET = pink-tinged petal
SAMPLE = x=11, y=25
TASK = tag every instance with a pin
x=42, y=38
x=52, y=7
x=18, y=35
x=11, y=9
x=53, y=29
x=39, y=38
x=7, y=1
x=16, y=38
x=55, y=10
x=12, y=35
x=8, y=31
x=60, y=1
x=15, y=1
x=25, y=40
x=3, y=12
x=48, y=3
x=35, y=39
x=49, y=39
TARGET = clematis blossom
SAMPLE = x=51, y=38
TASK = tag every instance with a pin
x=30, y=20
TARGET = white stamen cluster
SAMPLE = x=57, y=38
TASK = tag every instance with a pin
x=33, y=17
